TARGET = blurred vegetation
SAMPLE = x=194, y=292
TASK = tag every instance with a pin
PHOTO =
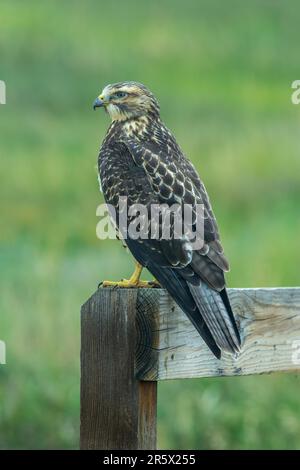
x=222, y=72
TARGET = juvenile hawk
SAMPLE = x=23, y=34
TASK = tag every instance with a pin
x=141, y=160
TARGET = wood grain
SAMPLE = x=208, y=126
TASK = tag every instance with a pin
x=269, y=321
x=117, y=410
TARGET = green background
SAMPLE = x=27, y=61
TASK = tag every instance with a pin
x=222, y=72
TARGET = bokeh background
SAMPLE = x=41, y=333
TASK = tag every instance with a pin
x=222, y=72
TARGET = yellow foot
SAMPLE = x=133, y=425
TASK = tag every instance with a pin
x=134, y=281
x=127, y=283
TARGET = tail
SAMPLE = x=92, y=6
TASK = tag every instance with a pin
x=208, y=309
x=179, y=290
x=216, y=311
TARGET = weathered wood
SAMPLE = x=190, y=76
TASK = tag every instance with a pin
x=269, y=321
x=129, y=333
x=117, y=410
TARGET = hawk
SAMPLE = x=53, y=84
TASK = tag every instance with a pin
x=140, y=160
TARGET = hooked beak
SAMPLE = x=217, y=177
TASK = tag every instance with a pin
x=99, y=102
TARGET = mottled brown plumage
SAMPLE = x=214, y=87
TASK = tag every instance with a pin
x=141, y=160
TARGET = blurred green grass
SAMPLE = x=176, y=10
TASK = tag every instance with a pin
x=222, y=72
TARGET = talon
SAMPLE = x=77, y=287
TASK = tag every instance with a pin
x=155, y=284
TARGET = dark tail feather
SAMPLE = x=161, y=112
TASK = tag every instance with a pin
x=179, y=290
x=215, y=309
x=225, y=299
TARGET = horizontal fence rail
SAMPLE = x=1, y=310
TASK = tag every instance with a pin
x=269, y=321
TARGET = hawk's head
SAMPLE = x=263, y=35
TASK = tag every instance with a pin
x=127, y=100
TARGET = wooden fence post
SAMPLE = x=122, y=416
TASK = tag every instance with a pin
x=117, y=410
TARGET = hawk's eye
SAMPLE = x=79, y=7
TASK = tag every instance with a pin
x=120, y=94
